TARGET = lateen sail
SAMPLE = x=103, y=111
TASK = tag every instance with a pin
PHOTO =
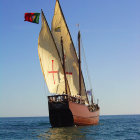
x=59, y=28
x=50, y=60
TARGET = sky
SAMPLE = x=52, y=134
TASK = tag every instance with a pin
x=110, y=32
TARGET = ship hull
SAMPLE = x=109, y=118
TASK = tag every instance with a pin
x=82, y=115
x=65, y=112
x=59, y=114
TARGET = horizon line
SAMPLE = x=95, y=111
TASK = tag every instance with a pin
x=48, y=116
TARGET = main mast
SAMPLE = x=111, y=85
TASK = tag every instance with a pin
x=79, y=63
x=63, y=59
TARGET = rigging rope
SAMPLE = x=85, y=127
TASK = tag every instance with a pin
x=87, y=71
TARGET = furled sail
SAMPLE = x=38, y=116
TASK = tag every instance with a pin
x=50, y=60
x=59, y=28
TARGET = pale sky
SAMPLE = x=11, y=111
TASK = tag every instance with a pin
x=111, y=38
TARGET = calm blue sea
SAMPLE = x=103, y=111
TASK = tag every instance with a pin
x=122, y=127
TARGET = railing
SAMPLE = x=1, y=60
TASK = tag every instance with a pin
x=77, y=100
x=58, y=98
x=62, y=98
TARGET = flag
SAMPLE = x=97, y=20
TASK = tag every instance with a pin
x=89, y=92
x=32, y=17
x=58, y=29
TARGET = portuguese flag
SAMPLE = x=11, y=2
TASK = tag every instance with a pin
x=32, y=17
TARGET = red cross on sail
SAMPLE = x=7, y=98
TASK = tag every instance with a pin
x=53, y=71
x=69, y=73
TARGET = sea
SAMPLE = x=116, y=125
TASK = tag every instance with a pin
x=112, y=127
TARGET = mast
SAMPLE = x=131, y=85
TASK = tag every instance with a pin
x=79, y=63
x=63, y=59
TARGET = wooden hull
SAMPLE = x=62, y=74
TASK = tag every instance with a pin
x=60, y=115
x=82, y=115
x=63, y=111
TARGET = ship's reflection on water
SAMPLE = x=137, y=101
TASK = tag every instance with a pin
x=64, y=133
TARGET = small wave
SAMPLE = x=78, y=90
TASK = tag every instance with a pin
x=43, y=124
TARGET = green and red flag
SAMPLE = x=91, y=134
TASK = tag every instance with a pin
x=32, y=17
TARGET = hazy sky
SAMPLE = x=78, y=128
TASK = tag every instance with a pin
x=111, y=38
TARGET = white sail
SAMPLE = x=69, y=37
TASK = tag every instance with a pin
x=50, y=60
x=59, y=28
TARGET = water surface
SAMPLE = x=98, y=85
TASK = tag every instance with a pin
x=116, y=127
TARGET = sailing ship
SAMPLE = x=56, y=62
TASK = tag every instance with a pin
x=61, y=67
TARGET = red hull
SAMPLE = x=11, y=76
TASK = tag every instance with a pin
x=82, y=115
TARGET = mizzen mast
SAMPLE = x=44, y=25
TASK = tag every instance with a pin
x=79, y=63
